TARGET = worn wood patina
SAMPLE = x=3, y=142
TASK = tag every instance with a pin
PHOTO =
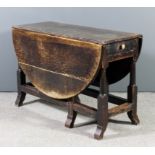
x=59, y=67
x=61, y=61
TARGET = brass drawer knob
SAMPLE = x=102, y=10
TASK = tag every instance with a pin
x=122, y=47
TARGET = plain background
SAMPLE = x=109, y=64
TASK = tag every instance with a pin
x=139, y=20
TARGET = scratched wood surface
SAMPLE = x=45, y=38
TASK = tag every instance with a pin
x=77, y=32
x=59, y=68
x=61, y=60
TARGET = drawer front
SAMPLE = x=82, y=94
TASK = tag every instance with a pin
x=122, y=47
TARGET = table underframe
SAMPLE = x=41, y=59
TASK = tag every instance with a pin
x=102, y=113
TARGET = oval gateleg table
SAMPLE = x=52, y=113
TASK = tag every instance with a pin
x=62, y=61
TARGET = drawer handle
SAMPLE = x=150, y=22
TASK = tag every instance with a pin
x=122, y=47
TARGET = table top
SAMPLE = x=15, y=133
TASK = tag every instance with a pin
x=95, y=35
x=61, y=60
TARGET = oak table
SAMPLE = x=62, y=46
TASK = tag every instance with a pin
x=62, y=61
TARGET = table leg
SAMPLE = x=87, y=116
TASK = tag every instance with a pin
x=102, y=109
x=132, y=94
x=21, y=79
x=71, y=113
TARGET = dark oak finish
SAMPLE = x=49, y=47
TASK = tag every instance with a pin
x=57, y=71
x=71, y=112
x=102, y=100
x=132, y=94
x=21, y=80
x=63, y=60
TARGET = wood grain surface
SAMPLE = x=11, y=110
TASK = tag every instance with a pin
x=58, y=67
x=61, y=60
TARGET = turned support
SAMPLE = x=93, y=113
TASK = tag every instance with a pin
x=21, y=80
x=102, y=105
x=132, y=94
x=71, y=112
